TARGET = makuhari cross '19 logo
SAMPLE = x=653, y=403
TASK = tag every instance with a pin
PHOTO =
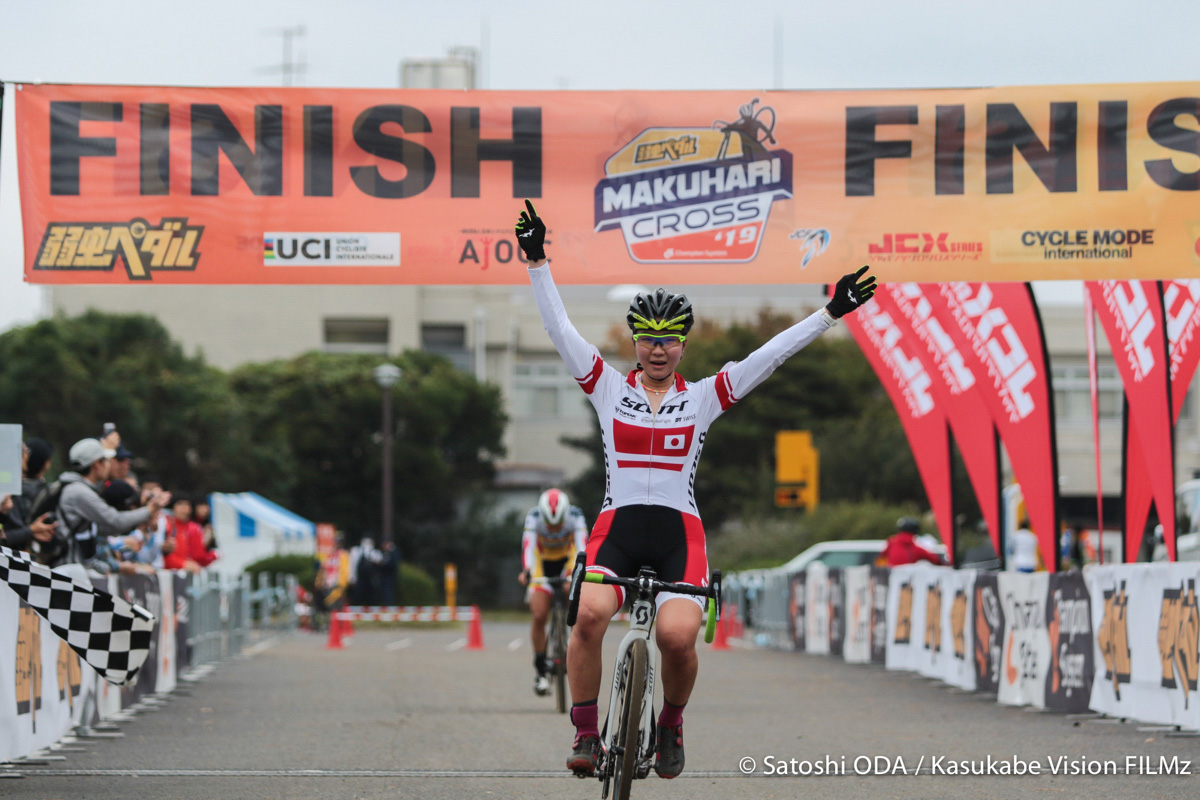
x=97, y=245
x=696, y=194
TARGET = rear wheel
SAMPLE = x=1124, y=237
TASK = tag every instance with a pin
x=623, y=764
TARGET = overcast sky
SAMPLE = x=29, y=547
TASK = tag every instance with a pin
x=587, y=44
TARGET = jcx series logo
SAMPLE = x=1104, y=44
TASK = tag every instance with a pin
x=923, y=246
x=171, y=245
x=693, y=194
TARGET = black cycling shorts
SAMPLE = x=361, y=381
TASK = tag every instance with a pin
x=664, y=539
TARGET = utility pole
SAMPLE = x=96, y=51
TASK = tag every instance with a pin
x=290, y=66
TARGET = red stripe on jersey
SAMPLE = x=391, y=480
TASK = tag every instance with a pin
x=724, y=391
x=649, y=465
x=637, y=440
x=588, y=383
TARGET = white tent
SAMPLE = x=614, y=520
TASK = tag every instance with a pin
x=249, y=527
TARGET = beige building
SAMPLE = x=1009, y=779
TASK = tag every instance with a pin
x=496, y=333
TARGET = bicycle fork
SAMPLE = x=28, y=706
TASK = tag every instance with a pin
x=640, y=625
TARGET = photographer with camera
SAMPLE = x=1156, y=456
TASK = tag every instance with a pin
x=87, y=522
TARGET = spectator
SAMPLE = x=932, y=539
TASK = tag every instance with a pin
x=153, y=530
x=1023, y=549
x=333, y=578
x=35, y=463
x=364, y=563
x=188, y=551
x=127, y=550
x=87, y=522
x=902, y=547
x=16, y=529
x=120, y=467
x=203, y=517
x=389, y=566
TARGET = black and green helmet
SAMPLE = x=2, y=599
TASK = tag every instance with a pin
x=660, y=312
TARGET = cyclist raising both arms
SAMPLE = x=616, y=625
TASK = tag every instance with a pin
x=653, y=425
x=555, y=531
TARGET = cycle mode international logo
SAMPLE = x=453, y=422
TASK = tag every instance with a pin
x=696, y=195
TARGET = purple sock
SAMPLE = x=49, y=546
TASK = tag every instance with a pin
x=585, y=717
x=671, y=716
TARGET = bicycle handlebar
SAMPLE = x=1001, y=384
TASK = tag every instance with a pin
x=655, y=586
x=579, y=576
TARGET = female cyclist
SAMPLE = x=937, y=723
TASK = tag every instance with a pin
x=653, y=425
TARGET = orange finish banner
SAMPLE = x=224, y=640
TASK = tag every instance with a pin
x=345, y=186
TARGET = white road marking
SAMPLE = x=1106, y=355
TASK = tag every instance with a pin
x=392, y=647
x=457, y=644
x=515, y=644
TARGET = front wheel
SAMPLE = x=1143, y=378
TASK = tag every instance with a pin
x=624, y=764
x=558, y=633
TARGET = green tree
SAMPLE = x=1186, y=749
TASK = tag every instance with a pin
x=64, y=377
x=323, y=414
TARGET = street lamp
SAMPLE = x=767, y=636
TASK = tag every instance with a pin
x=387, y=375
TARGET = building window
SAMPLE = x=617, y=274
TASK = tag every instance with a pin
x=449, y=340
x=1073, y=394
x=356, y=335
x=547, y=391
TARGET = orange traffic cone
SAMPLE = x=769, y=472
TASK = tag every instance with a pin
x=720, y=636
x=335, y=633
x=475, y=631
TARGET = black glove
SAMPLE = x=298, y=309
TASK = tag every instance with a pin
x=851, y=293
x=531, y=234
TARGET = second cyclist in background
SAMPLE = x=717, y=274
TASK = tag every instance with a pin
x=555, y=531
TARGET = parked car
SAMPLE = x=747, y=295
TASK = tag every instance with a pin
x=838, y=554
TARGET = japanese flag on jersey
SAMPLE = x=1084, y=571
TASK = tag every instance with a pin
x=645, y=447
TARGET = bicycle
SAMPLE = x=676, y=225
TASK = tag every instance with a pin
x=556, y=639
x=628, y=737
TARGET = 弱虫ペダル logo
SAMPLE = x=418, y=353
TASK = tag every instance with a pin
x=958, y=624
x=1113, y=638
x=1179, y=639
x=696, y=194
x=169, y=246
x=933, y=618
x=903, y=634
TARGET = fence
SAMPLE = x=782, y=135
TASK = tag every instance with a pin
x=46, y=691
x=1122, y=640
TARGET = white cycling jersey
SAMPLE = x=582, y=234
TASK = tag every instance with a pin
x=540, y=543
x=651, y=458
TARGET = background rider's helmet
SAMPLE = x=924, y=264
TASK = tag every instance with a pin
x=660, y=312
x=553, y=505
x=908, y=525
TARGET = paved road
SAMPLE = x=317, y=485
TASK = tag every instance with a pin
x=409, y=713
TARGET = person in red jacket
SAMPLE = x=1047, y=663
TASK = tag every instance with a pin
x=189, y=552
x=902, y=547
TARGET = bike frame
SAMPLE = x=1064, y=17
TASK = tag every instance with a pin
x=641, y=621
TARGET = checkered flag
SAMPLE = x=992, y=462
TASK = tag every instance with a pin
x=109, y=633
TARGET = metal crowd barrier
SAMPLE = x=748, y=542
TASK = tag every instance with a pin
x=224, y=614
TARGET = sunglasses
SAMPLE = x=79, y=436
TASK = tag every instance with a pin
x=667, y=341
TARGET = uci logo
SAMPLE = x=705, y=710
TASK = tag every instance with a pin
x=287, y=249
